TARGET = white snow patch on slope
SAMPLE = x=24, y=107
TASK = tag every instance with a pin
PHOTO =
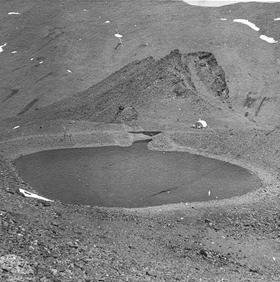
x=203, y=122
x=277, y=19
x=246, y=22
x=1, y=47
x=32, y=195
x=13, y=13
x=118, y=35
x=219, y=3
x=268, y=39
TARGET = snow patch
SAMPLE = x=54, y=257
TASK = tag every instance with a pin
x=14, y=52
x=268, y=39
x=220, y=3
x=13, y=13
x=118, y=35
x=277, y=19
x=15, y=127
x=1, y=47
x=246, y=22
x=203, y=122
x=223, y=19
x=32, y=195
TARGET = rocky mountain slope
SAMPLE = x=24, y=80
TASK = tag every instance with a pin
x=178, y=87
x=63, y=48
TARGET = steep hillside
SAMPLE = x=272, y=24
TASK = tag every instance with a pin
x=63, y=48
x=177, y=88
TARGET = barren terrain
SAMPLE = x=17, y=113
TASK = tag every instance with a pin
x=67, y=81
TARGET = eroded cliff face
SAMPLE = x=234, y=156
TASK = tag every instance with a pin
x=178, y=84
x=210, y=73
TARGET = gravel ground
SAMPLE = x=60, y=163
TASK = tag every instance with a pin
x=229, y=240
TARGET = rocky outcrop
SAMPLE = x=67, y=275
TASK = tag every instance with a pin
x=210, y=73
x=143, y=85
x=126, y=114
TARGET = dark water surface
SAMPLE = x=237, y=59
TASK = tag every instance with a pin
x=132, y=176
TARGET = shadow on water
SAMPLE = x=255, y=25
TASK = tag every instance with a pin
x=132, y=176
x=148, y=133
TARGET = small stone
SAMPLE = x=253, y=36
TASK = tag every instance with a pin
x=5, y=224
x=8, y=190
x=203, y=253
x=55, y=223
x=54, y=271
x=44, y=203
x=151, y=273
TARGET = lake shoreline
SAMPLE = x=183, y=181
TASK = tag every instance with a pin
x=28, y=144
x=133, y=168
x=205, y=221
